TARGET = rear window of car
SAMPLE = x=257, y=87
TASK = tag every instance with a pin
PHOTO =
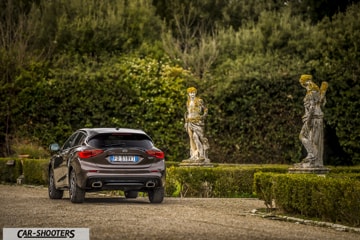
x=123, y=140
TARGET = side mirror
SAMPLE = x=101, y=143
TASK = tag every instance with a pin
x=54, y=147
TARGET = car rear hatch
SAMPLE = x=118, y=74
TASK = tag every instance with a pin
x=122, y=150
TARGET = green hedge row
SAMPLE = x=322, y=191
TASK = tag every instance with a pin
x=10, y=170
x=33, y=170
x=342, y=169
x=334, y=198
x=219, y=181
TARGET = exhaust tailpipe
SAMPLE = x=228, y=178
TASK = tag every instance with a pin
x=97, y=184
x=150, y=184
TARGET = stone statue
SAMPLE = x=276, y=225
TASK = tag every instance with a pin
x=194, y=125
x=312, y=132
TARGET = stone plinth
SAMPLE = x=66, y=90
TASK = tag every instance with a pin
x=196, y=163
x=314, y=170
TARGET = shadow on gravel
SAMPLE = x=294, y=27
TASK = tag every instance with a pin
x=117, y=200
x=112, y=200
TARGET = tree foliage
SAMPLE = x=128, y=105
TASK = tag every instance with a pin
x=142, y=93
x=71, y=64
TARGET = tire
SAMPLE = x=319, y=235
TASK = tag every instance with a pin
x=77, y=195
x=53, y=192
x=131, y=194
x=156, y=195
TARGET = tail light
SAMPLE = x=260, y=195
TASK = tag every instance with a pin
x=90, y=153
x=156, y=153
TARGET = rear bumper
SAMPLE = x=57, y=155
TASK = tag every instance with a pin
x=139, y=183
x=91, y=177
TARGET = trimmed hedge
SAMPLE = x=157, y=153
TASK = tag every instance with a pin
x=10, y=169
x=331, y=198
x=343, y=169
x=34, y=170
x=221, y=181
x=334, y=198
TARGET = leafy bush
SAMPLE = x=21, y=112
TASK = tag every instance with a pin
x=221, y=181
x=36, y=171
x=10, y=169
x=343, y=169
x=255, y=116
x=338, y=64
x=30, y=148
x=125, y=91
x=108, y=57
x=334, y=199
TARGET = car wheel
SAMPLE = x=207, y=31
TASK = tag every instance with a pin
x=156, y=195
x=131, y=194
x=53, y=192
x=77, y=195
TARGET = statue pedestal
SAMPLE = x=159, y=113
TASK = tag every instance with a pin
x=310, y=170
x=195, y=163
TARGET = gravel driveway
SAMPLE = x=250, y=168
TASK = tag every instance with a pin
x=176, y=218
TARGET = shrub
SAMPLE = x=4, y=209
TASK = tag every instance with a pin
x=334, y=199
x=221, y=181
x=30, y=148
x=10, y=169
x=35, y=171
x=343, y=169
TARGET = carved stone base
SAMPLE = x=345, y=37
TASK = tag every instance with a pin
x=20, y=179
x=310, y=170
x=196, y=163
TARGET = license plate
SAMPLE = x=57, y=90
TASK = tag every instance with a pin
x=121, y=158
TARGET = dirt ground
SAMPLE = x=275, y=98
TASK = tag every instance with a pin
x=176, y=218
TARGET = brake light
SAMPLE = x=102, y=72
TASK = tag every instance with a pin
x=156, y=153
x=89, y=153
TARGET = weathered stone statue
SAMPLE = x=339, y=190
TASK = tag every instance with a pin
x=194, y=125
x=312, y=132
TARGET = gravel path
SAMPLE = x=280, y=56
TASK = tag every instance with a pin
x=176, y=218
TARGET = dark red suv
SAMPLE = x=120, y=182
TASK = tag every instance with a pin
x=96, y=159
